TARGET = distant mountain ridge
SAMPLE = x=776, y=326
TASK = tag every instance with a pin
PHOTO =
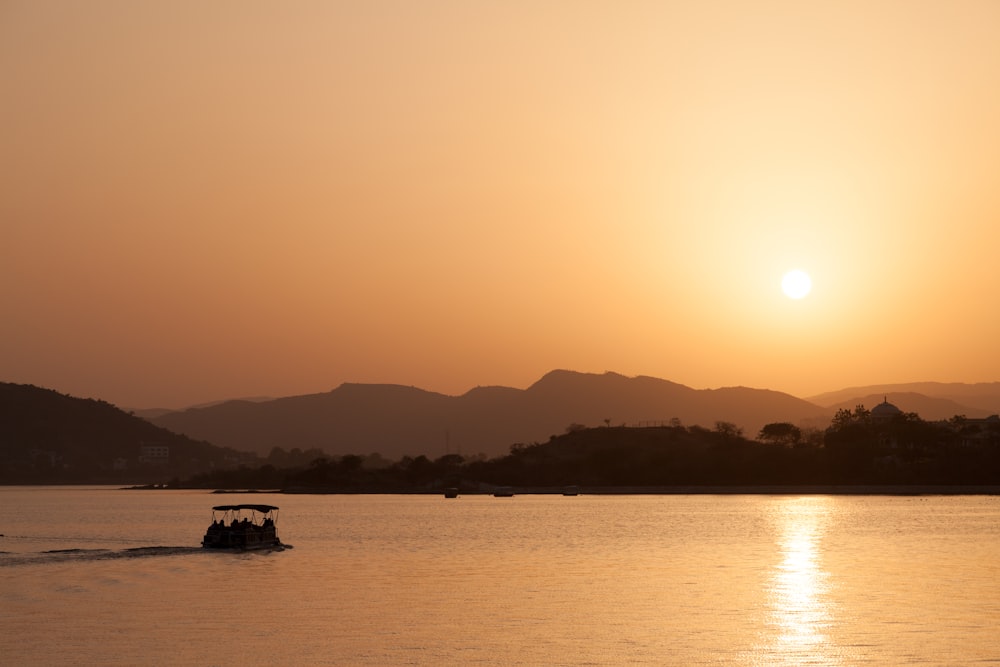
x=153, y=413
x=931, y=400
x=396, y=420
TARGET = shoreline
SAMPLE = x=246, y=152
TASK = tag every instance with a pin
x=764, y=489
x=678, y=490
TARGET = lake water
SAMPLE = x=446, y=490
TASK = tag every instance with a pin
x=529, y=580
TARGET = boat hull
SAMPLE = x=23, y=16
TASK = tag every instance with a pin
x=253, y=547
x=240, y=538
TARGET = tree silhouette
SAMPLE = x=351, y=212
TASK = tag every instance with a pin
x=780, y=433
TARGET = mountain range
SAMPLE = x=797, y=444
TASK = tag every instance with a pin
x=397, y=421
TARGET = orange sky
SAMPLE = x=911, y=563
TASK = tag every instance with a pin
x=207, y=200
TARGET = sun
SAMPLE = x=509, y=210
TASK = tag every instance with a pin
x=796, y=284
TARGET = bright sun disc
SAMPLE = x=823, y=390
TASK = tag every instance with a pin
x=796, y=284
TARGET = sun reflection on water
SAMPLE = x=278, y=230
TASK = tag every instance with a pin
x=799, y=611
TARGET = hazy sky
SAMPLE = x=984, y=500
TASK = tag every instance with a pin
x=203, y=200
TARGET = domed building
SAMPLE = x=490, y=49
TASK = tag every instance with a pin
x=885, y=412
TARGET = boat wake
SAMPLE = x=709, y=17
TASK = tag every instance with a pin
x=8, y=559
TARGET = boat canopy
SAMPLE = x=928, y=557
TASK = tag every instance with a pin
x=237, y=508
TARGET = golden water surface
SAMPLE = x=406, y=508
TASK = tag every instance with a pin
x=529, y=580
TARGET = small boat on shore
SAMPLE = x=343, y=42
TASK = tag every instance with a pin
x=242, y=527
x=503, y=492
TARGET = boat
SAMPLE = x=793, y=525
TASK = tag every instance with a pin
x=242, y=527
x=451, y=492
x=503, y=492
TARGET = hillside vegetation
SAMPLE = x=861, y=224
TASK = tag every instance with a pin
x=48, y=437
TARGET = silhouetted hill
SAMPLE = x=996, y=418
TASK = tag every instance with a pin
x=931, y=400
x=400, y=421
x=48, y=437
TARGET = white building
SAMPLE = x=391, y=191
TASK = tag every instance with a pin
x=154, y=454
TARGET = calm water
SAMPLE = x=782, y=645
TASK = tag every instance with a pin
x=530, y=580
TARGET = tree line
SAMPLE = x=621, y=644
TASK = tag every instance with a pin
x=856, y=449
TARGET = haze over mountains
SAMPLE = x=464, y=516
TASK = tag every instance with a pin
x=931, y=400
x=397, y=421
